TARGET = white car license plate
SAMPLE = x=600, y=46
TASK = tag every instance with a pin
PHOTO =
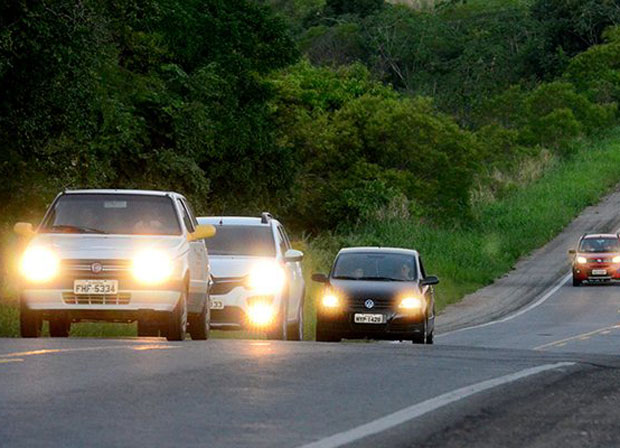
x=217, y=305
x=360, y=318
x=599, y=271
x=92, y=287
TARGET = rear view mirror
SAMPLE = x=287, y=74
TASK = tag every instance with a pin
x=429, y=280
x=293, y=255
x=320, y=278
x=202, y=232
x=572, y=252
x=24, y=229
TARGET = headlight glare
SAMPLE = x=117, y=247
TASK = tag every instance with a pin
x=261, y=314
x=330, y=300
x=582, y=260
x=39, y=264
x=616, y=259
x=411, y=303
x=151, y=267
x=266, y=278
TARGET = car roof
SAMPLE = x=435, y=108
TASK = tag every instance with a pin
x=378, y=249
x=115, y=191
x=234, y=221
x=600, y=235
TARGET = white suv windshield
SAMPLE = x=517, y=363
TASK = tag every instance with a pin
x=122, y=214
x=242, y=240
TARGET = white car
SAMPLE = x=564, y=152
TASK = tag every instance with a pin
x=258, y=281
x=116, y=255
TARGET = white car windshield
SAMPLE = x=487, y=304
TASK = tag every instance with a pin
x=375, y=266
x=121, y=214
x=242, y=240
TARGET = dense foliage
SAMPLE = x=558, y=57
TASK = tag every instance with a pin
x=390, y=112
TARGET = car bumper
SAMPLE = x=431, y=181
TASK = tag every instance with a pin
x=125, y=301
x=589, y=272
x=234, y=313
x=397, y=326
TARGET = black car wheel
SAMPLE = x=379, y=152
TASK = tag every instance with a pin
x=30, y=323
x=177, y=320
x=295, y=332
x=323, y=335
x=576, y=282
x=279, y=330
x=147, y=329
x=199, y=324
x=59, y=327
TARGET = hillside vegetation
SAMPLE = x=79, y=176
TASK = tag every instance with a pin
x=342, y=117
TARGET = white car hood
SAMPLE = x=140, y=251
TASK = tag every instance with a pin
x=234, y=266
x=81, y=246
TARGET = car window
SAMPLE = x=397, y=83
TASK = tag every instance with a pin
x=192, y=215
x=120, y=214
x=286, y=238
x=375, y=266
x=189, y=225
x=422, y=271
x=594, y=245
x=242, y=240
x=284, y=244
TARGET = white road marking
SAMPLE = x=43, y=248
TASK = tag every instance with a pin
x=518, y=313
x=417, y=410
x=84, y=349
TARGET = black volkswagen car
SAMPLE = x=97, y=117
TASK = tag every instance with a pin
x=378, y=293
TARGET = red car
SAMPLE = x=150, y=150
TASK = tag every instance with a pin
x=597, y=258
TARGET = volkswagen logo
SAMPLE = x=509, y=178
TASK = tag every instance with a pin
x=96, y=268
x=369, y=303
x=599, y=260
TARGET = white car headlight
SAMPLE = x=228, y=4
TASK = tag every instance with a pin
x=266, y=278
x=330, y=300
x=616, y=259
x=39, y=264
x=261, y=314
x=582, y=260
x=412, y=303
x=151, y=267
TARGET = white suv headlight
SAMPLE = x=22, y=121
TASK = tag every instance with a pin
x=267, y=277
x=151, y=267
x=39, y=264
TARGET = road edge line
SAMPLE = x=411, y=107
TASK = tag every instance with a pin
x=517, y=313
x=420, y=409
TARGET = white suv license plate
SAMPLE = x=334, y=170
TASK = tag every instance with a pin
x=95, y=287
x=363, y=318
x=217, y=305
x=599, y=271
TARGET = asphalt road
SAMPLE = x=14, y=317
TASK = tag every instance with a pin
x=235, y=393
x=529, y=361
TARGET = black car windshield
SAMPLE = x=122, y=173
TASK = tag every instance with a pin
x=375, y=266
x=115, y=214
x=594, y=245
x=243, y=241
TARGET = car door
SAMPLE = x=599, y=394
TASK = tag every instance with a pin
x=198, y=262
x=295, y=277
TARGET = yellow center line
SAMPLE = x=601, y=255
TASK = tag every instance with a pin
x=86, y=349
x=6, y=361
x=582, y=337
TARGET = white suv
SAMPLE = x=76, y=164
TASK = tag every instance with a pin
x=117, y=255
x=258, y=282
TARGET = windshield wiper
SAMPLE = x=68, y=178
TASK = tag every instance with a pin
x=77, y=229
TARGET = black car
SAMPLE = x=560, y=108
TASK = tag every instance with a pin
x=378, y=293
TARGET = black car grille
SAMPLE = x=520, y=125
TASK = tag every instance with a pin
x=381, y=304
x=599, y=260
x=224, y=286
x=112, y=299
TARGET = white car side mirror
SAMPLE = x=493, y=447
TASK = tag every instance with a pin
x=293, y=255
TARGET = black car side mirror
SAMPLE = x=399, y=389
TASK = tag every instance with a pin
x=321, y=278
x=429, y=280
x=572, y=251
